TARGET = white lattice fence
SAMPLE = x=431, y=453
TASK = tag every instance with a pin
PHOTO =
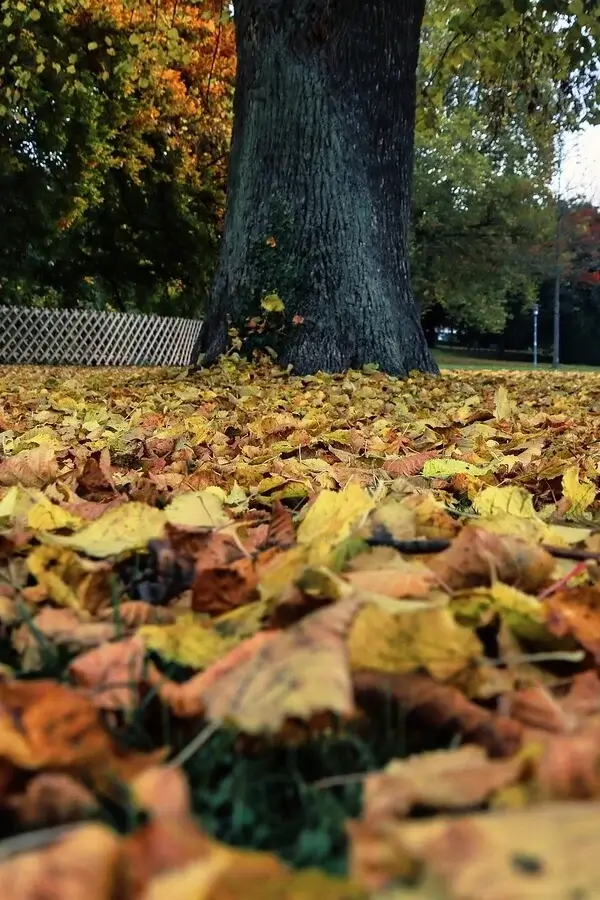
x=88, y=338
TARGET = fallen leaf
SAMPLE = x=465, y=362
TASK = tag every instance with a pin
x=82, y=863
x=436, y=708
x=479, y=557
x=536, y=852
x=52, y=799
x=443, y=779
x=30, y=468
x=113, y=672
x=121, y=529
x=426, y=639
x=277, y=676
x=197, y=509
x=576, y=611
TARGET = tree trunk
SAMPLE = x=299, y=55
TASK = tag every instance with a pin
x=319, y=187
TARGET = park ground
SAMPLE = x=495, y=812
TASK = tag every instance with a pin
x=275, y=636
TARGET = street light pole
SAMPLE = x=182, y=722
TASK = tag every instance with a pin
x=557, y=263
x=536, y=312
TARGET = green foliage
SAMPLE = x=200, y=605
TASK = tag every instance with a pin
x=494, y=93
x=114, y=125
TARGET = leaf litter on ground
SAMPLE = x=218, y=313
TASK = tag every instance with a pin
x=259, y=629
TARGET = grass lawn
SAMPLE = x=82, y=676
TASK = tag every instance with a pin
x=459, y=359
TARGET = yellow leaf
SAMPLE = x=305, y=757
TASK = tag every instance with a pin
x=292, y=674
x=47, y=516
x=68, y=579
x=188, y=642
x=523, y=613
x=509, y=499
x=427, y=639
x=445, y=468
x=272, y=303
x=331, y=519
x=197, y=509
x=580, y=494
x=122, y=529
x=503, y=408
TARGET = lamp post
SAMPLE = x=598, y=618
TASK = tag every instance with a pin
x=536, y=312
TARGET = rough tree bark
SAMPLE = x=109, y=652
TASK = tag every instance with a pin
x=320, y=185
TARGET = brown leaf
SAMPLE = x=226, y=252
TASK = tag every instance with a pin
x=133, y=613
x=30, y=468
x=90, y=510
x=540, y=852
x=162, y=791
x=96, y=480
x=436, y=707
x=222, y=588
x=477, y=557
x=443, y=779
x=113, y=672
x=59, y=626
x=81, y=865
x=576, y=611
x=281, y=531
x=169, y=844
x=569, y=766
x=409, y=465
x=48, y=725
x=393, y=582
x=52, y=799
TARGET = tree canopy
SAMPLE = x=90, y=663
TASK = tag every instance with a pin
x=114, y=126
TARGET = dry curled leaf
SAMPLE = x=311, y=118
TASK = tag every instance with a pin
x=436, y=708
x=82, y=863
x=30, y=468
x=544, y=852
x=477, y=557
x=441, y=780
x=112, y=672
x=51, y=798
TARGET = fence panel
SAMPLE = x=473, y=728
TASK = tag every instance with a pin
x=81, y=337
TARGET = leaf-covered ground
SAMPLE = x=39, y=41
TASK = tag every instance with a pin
x=269, y=636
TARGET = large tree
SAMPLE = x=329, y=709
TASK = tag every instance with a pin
x=314, y=260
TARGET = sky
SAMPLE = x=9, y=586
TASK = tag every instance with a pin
x=581, y=164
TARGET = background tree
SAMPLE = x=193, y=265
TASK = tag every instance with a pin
x=114, y=126
x=481, y=198
x=579, y=261
x=314, y=261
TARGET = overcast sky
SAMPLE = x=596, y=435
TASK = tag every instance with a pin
x=581, y=165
